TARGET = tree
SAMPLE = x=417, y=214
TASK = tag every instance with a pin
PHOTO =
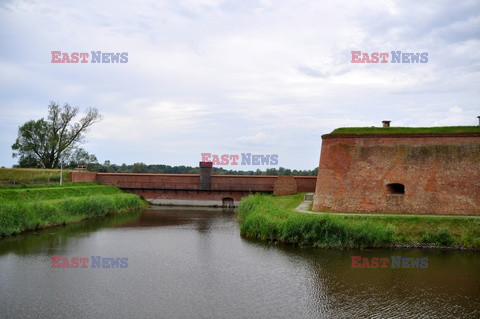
x=43, y=143
x=139, y=168
x=78, y=157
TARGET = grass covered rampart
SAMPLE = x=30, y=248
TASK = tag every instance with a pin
x=407, y=130
x=32, y=207
x=272, y=218
x=18, y=176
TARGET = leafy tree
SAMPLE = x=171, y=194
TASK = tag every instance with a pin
x=42, y=143
x=139, y=168
x=79, y=157
x=271, y=171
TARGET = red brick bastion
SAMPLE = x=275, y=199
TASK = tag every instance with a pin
x=421, y=173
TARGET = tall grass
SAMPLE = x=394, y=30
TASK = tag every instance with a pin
x=37, y=192
x=272, y=218
x=37, y=207
x=16, y=176
x=261, y=218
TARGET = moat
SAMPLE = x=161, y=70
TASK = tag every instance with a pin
x=192, y=263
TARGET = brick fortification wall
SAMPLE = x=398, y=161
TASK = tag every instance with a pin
x=177, y=187
x=76, y=177
x=285, y=185
x=128, y=180
x=421, y=173
x=192, y=181
x=253, y=182
x=305, y=183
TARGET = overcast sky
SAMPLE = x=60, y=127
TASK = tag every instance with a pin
x=231, y=77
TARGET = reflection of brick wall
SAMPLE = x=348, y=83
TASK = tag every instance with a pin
x=440, y=173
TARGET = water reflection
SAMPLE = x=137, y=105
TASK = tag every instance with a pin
x=202, y=218
x=449, y=287
x=48, y=239
x=190, y=263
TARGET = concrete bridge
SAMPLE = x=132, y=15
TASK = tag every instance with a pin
x=202, y=189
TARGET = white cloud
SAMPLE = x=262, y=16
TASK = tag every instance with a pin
x=455, y=110
x=234, y=75
x=256, y=138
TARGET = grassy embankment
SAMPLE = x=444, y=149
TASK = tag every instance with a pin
x=17, y=176
x=272, y=218
x=407, y=130
x=31, y=207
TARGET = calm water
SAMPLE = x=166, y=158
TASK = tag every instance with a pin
x=193, y=264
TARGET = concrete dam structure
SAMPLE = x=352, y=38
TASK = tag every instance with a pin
x=202, y=189
x=421, y=173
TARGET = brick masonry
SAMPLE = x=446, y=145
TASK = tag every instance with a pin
x=285, y=185
x=440, y=174
x=176, y=188
x=77, y=177
x=305, y=183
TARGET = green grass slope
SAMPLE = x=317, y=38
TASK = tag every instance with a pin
x=272, y=218
x=32, y=207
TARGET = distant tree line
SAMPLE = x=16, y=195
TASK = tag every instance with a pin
x=107, y=167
